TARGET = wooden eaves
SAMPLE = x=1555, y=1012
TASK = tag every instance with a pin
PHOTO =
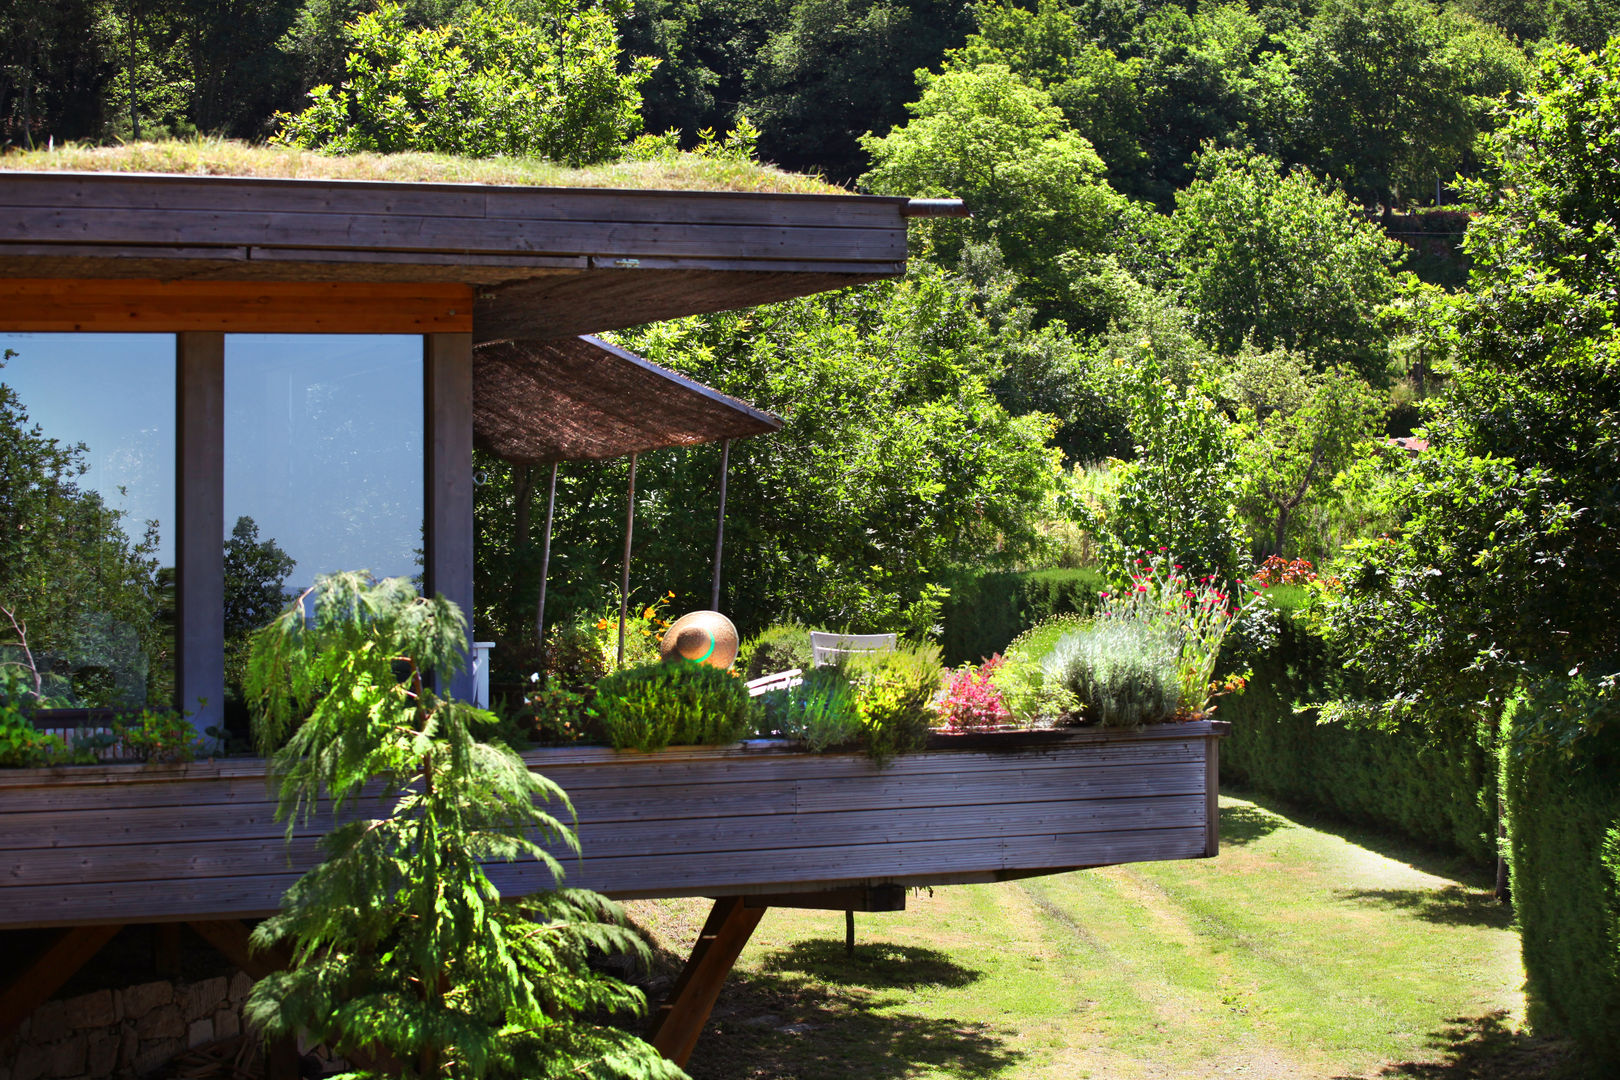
x=503, y=262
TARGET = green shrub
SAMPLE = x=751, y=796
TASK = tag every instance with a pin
x=821, y=711
x=781, y=647
x=655, y=705
x=1564, y=810
x=894, y=698
x=23, y=746
x=987, y=611
x=160, y=736
x=1031, y=697
x=1123, y=673
x=1439, y=789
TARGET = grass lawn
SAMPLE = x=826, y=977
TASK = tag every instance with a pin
x=1303, y=951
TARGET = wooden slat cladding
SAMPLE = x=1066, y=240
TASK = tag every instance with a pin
x=202, y=212
x=120, y=843
x=137, y=304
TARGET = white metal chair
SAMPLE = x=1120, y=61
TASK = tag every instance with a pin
x=828, y=648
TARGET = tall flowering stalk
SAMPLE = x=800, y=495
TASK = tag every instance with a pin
x=1198, y=613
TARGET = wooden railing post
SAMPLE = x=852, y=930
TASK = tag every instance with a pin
x=679, y=1022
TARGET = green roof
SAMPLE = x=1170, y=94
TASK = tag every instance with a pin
x=224, y=157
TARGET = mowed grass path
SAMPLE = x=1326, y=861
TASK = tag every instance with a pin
x=1298, y=953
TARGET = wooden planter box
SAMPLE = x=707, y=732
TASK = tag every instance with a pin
x=127, y=843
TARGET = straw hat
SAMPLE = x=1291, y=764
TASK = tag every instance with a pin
x=700, y=637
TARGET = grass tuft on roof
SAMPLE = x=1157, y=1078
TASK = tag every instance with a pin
x=227, y=157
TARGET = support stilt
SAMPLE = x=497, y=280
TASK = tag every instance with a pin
x=33, y=984
x=678, y=1023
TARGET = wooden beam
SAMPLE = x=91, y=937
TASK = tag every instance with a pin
x=231, y=938
x=267, y=307
x=33, y=985
x=1212, y=797
x=858, y=898
x=680, y=1021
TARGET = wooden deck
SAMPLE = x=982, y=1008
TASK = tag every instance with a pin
x=123, y=843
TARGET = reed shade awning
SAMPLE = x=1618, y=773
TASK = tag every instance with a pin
x=581, y=399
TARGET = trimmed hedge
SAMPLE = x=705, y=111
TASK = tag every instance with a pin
x=1441, y=792
x=1565, y=865
x=986, y=611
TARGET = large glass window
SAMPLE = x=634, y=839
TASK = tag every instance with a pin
x=87, y=506
x=323, y=468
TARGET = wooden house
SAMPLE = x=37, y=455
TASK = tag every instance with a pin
x=304, y=356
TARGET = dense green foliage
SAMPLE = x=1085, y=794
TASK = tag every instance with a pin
x=986, y=611
x=677, y=702
x=1439, y=790
x=1506, y=570
x=1565, y=860
x=779, y=647
x=1124, y=674
x=894, y=698
x=488, y=84
x=403, y=952
x=820, y=712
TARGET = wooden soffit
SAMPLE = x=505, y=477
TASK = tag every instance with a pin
x=582, y=399
x=543, y=261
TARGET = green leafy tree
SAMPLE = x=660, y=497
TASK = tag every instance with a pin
x=1180, y=492
x=832, y=69
x=488, y=83
x=895, y=465
x=1277, y=259
x=87, y=593
x=1506, y=572
x=404, y=953
x=1297, y=431
x=1394, y=94
x=1034, y=186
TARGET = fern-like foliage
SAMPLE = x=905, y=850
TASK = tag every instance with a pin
x=406, y=959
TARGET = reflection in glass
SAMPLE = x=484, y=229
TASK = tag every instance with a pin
x=87, y=502
x=323, y=469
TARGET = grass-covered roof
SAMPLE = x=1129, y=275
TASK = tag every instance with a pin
x=224, y=157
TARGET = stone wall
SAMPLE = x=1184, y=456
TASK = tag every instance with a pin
x=124, y=1033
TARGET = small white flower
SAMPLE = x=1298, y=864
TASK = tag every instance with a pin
x=534, y=676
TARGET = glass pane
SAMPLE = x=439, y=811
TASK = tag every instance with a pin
x=323, y=468
x=87, y=438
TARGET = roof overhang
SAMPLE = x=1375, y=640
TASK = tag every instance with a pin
x=580, y=398
x=544, y=262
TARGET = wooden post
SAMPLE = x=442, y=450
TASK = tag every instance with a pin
x=629, y=532
x=680, y=1021
x=1212, y=796
x=448, y=468
x=545, y=569
x=720, y=525
x=199, y=528
x=849, y=931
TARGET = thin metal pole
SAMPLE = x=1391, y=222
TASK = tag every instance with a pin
x=629, y=531
x=720, y=525
x=545, y=569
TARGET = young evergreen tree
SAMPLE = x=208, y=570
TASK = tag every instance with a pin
x=405, y=956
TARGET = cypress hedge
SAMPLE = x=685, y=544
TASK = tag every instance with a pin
x=986, y=611
x=1564, y=861
x=1439, y=790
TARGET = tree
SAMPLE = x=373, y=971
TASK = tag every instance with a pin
x=86, y=591
x=1506, y=573
x=832, y=69
x=1034, y=186
x=403, y=950
x=894, y=467
x=488, y=83
x=1279, y=259
x=1394, y=94
x=1298, y=429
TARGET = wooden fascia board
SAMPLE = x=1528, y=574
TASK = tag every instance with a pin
x=194, y=214
x=150, y=305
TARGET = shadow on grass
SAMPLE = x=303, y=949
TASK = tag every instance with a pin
x=875, y=966
x=1487, y=1048
x=792, y=1026
x=1452, y=906
x=1427, y=859
x=1245, y=824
